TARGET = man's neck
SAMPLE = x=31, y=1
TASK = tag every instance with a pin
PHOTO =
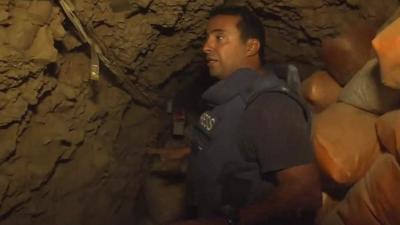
x=256, y=65
x=260, y=69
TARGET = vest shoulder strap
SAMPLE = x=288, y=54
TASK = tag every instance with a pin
x=285, y=90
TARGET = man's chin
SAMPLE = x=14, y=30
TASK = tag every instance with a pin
x=214, y=73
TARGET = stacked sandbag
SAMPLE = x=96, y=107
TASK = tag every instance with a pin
x=346, y=53
x=320, y=90
x=388, y=128
x=348, y=145
x=165, y=186
x=165, y=199
x=328, y=206
x=345, y=142
x=387, y=47
x=333, y=218
x=375, y=198
x=366, y=91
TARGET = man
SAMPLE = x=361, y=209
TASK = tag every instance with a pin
x=251, y=160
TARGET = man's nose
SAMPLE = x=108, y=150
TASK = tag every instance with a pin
x=207, y=46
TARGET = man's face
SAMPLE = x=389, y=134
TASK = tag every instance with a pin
x=224, y=49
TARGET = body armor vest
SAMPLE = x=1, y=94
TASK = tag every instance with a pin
x=219, y=175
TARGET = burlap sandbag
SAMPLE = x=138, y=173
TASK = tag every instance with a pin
x=328, y=206
x=332, y=218
x=366, y=91
x=345, y=54
x=345, y=142
x=165, y=199
x=375, y=197
x=320, y=90
x=388, y=128
x=387, y=47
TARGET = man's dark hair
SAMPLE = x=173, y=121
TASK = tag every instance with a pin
x=250, y=26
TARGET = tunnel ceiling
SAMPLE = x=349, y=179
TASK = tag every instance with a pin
x=146, y=41
x=152, y=39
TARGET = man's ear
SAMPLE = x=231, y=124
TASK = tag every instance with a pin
x=253, y=47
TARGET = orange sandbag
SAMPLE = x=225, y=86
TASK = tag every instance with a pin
x=345, y=54
x=387, y=47
x=375, y=197
x=345, y=142
x=366, y=91
x=320, y=90
x=388, y=128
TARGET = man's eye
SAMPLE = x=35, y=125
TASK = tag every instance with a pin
x=219, y=38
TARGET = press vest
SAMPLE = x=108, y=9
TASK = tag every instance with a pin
x=219, y=175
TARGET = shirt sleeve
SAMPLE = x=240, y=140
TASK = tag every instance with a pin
x=277, y=129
